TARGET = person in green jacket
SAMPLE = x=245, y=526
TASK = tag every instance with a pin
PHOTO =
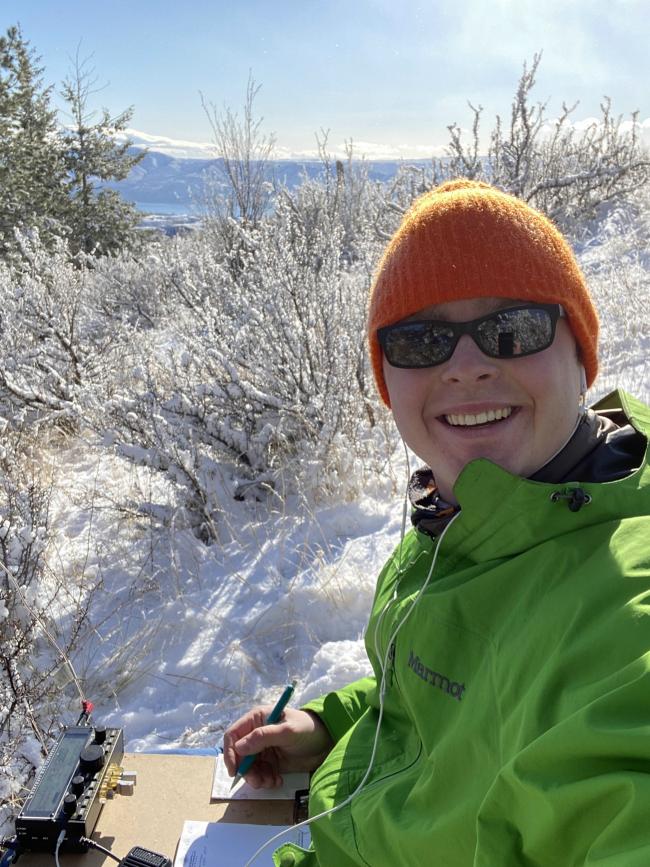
x=507, y=723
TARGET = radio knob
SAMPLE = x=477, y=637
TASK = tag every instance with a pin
x=100, y=734
x=70, y=805
x=78, y=785
x=91, y=759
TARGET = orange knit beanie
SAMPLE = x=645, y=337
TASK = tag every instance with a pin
x=466, y=239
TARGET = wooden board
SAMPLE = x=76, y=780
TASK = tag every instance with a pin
x=169, y=789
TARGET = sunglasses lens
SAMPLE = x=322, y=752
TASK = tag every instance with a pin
x=504, y=334
x=509, y=333
x=418, y=344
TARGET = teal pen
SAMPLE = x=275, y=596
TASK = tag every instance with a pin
x=273, y=717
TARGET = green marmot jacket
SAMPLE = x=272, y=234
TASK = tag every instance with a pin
x=516, y=722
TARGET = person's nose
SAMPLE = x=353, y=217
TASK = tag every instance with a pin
x=468, y=364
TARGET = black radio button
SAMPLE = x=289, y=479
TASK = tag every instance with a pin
x=91, y=759
x=70, y=805
x=78, y=785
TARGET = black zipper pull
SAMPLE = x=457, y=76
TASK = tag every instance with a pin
x=576, y=498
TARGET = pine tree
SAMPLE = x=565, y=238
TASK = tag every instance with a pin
x=32, y=170
x=100, y=220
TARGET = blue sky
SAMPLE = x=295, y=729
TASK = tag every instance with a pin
x=385, y=74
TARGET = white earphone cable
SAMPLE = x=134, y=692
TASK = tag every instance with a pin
x=382, y=686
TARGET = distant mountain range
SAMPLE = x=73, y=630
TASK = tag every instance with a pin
x=174, y=174
x=166, y=180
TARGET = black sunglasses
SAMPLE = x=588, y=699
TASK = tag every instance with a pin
x=509, y=333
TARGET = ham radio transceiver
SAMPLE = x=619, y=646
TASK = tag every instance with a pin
x=81, y=771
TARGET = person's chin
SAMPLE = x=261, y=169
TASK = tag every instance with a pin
x=500, y=443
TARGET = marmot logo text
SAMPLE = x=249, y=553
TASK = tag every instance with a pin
x=434, y=678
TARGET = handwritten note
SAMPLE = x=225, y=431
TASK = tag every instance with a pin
x=221, y=784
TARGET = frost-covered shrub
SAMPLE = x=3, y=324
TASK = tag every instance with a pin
x=147, y=290
x=264, y=370
x=344, y=198
x=614, y=254
x=30, y=696
x=567, y=172
x=55, y=348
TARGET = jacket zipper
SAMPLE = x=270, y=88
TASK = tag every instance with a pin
x=390, y=674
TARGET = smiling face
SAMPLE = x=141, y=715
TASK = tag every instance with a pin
x=516, y=412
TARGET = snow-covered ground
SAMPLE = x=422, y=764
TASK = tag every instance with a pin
x=187, y=636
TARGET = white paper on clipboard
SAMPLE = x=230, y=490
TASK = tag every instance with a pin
x=229, y=844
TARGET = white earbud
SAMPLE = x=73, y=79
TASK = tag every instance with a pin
x=583, y=381
x=582, y=404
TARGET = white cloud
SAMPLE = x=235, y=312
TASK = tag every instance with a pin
x=179, y=148
x=369, y=150
x=184, y=149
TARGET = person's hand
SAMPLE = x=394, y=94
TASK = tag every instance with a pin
x=298, y=742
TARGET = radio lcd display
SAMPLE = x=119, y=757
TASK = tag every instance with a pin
x=53, y=785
